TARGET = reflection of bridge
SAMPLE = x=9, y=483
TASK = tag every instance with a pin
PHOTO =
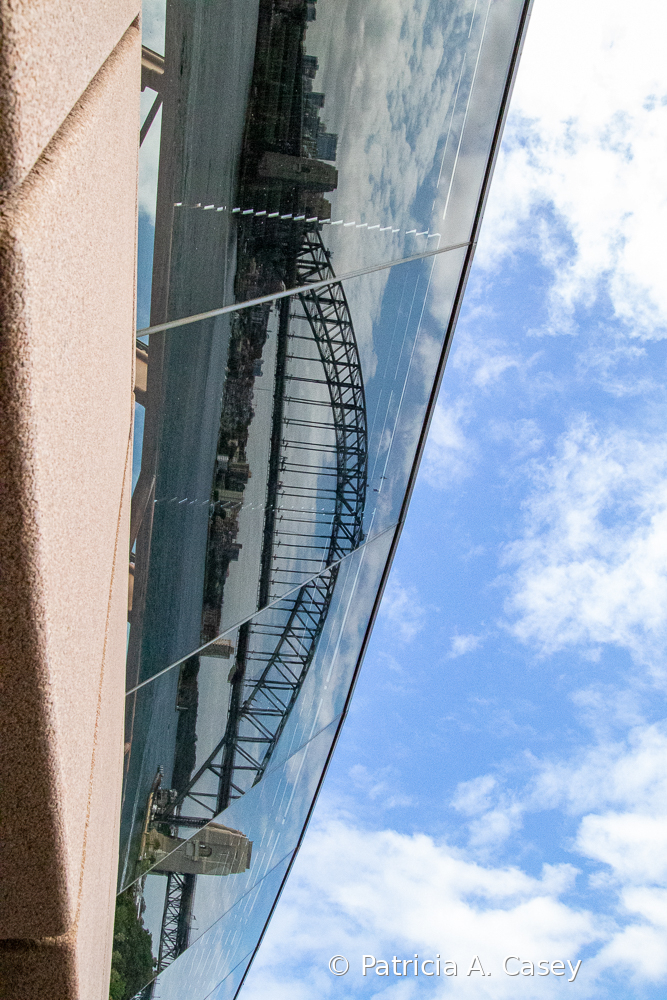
x=176, y=918
x=314, y=517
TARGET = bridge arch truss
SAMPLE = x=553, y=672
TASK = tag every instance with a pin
x=314, y=513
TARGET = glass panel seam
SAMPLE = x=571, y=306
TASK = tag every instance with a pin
x=300, y=289
x=239, y=900
x=245, y=958
x=270, y=770
x=201, y=650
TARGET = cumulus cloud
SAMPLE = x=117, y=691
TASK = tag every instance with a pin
x=634, y=845
x=621, y=787
x=587, y=133
x=627, y=775
x=463, y=644
x=616, y=790
x=493, y=812
x=484, y=360
x=591, y=566
x=449, y=455
x=640, y=948
x=401, y=610
x=397, y=894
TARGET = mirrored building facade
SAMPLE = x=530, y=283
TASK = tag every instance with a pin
x=312, y=180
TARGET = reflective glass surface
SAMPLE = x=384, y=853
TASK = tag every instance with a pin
x=206, y=875
x=282, y=437
x=276, y=122
x=222, y=725
x=225, y=948
x=228, y=988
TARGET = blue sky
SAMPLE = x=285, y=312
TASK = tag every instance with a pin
x=500, y=787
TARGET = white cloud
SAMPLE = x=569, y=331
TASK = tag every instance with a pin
x=640, y=948
x=580, y=177
x=472, y=797
x=379, y=786
x=591, y=566
x=629, y=840
x=401, y=611
x=486, y=360
x=463, y=644
x=494, y=827
x=494, y=813
x=394, y=894
x=609, y=784
x=449, y=456
x=617, y=789
x=634, y=845
x=524, y=435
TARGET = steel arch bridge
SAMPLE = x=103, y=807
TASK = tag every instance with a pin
x=316, y=495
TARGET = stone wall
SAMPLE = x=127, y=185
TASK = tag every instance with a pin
x=69, y=114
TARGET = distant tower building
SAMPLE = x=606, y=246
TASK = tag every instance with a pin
x=311, y=10
x=309, y=66
x=215, y=850
x=301, y=170
x=326, y=146
x=317, y=100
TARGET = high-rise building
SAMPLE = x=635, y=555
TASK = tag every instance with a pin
x=327, y=144
x=294, y=321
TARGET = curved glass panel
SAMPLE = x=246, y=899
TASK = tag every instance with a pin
x=229, y=986
x=277, y=440
x=191, y=887
x=204, y=738
x=224, y=950
x=281, y=121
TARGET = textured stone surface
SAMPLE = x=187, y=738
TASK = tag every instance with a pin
x=67, y=255
x=97, y=891
x=39, y=970
x=50, y=51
